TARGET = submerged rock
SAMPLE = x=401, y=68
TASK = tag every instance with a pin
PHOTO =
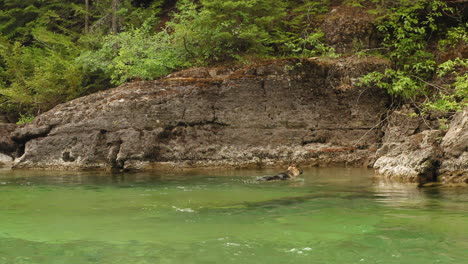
x=303, y=111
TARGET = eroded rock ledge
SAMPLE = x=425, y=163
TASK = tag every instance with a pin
x=305, y=111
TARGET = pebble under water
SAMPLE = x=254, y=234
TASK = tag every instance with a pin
x=328, y=216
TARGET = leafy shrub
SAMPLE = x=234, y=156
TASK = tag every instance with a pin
x=46, y=59
x=453, y=96
x=222, y=30
x=311, y=45
x=454, y=36
x=198, y=34
x=24, y=119
x=35, y=78
x=135, y=54
x=405, y=31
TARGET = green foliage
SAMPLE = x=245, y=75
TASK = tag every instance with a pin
x=443, y=124
x=37, y=79
x=303, y=14
x=406, y=31
x=135, y=54
x=24, y=119
x=18, y=17
x=137, y=16
x=38, y=47
x=304, y=38
x=395, y=82
x=453, y=96
x=454, y=36
x=311, y=46
x=129, y=14
x=451, y=66
x=354, y=3
x=49, y=56
x=222, y=30
x=211, y=31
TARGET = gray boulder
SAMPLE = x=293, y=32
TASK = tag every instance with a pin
x=416, y=159
x=454, y=165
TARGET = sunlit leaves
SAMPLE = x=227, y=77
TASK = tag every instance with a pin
x=406, y=31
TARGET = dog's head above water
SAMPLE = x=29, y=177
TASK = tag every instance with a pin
x=294, y=171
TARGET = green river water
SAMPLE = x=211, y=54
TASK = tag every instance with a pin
x=327, y=216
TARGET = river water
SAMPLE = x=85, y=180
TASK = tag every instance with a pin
x=327, y=216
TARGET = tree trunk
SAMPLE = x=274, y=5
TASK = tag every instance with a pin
x=86, y=16
x=115, y=20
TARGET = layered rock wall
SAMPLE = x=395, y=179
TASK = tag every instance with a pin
x=286, y=111
x=303, y=111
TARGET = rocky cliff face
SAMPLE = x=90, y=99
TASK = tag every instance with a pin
x=304, y=111
x=454, y=164
x=410, y=155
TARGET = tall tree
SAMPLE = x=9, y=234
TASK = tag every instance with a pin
x=115, y=18
x=86, y=16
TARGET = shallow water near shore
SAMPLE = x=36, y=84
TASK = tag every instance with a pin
x=327, y=216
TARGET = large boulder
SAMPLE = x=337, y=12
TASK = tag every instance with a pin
x=8, y=147
x=454, y=166
x=416, y=159
x=307, y=111
x=408, y=154
x=5, y=161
